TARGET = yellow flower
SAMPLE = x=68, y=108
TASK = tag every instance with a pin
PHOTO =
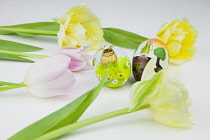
x=170, y=104
x=179, y=36
x=166, y=96
x=80, y=27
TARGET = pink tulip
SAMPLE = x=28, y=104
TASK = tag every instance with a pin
x=80, y=59
x=50, y=77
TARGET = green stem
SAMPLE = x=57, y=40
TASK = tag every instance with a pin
x=23, y=54
x=30, y=31
x=12, y=86
x=60, y=131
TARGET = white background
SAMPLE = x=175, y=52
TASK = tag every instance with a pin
x=19, y=109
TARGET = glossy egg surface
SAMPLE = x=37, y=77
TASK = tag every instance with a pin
x=114, y=60
x=147, y=50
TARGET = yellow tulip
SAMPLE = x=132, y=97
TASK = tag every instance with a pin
x=166, y=96
x=179, y=36
x=80, y=27
x=170, y=104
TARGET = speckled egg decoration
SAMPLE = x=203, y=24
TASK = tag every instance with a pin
x=115, y=60
x=151, y=48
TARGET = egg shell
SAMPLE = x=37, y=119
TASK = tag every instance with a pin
x=115, y=60
x=147, y=50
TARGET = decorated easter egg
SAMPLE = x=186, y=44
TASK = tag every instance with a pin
x=114, y=60
x=147, y=50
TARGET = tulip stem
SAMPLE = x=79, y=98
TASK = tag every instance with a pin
x=13, y=86
x=63, y=130
x=22, y=54
x=30, y=31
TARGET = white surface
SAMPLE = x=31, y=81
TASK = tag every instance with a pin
x=19, y=109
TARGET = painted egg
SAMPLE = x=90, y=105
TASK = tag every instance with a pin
x=147, y=50
x=115, y=60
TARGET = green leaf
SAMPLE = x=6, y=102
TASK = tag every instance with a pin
x=62, y=117
x=14, y=58
x=129, y=35
x=123, y=38
x=141, y=90
x=26, y=30
x=160, y=52
x=24, y=34
x=17, y=47
x=119, y=40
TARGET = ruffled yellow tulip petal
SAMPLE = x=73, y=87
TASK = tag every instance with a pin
x=170, y=104
x=179, y=36
x=167, y=97
x=94, y=32
x=80, y=27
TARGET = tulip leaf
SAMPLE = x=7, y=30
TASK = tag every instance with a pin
x=29, y=29
x=142, y=90
x=119, y=40
x=131, y=36
x=14, y=58
x=62, y=117
x=123, y=38
x=17, y=47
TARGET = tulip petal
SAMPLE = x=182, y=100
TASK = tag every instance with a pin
x=50, y=77
x=179, y=36
x=170, y=104
x=80, y=27
x=167, y=97
x=59, y=86
x=47, y=69
x=80, y=59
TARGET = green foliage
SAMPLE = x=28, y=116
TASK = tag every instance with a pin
x=10, y=50
x=160, y=52
x=62, y=117
x=17, y=47
x=14, y=58
x=142, y=90
x=29, y=29
x=123, y=38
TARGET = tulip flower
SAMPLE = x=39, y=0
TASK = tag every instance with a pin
x=50, y=77
x=46, y=78
x=166, y=96
x=179, y=36
x=80, y=27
